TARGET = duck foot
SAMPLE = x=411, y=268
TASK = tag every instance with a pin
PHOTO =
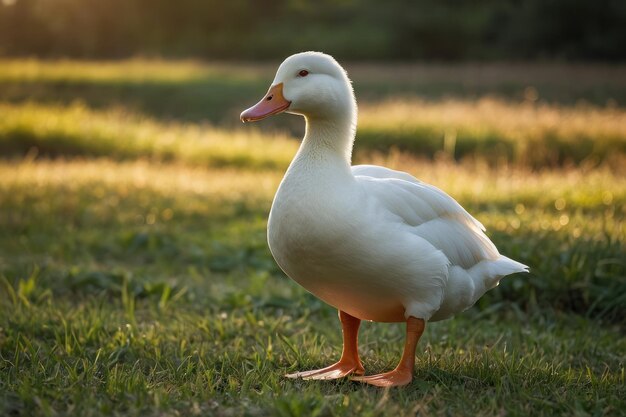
x=403, y=373
x=349, y=362
x=395, y=378
x=336, y=371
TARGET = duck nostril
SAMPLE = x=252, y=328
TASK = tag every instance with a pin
x=269, y=98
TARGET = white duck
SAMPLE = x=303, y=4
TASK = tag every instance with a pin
x=375, y=243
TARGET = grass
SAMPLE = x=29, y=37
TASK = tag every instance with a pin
x=141, y=287
x=135, y=277
x=126, y=71
x=529, y=115
x=87, y=359
x=77, y=130
x=184, y=91
x=494, y=131
x=565, y=84
x=525, y=133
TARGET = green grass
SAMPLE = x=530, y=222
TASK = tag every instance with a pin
x=493, y=131
x=135, y=277
x=193, y=357
x=183, y=90
x=534, y=115
x=138, y=288
x=526, y=133
x=76, y=130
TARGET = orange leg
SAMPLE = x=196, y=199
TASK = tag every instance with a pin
x=403, y=373
x=349, y=362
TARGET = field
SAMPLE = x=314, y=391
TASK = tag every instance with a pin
x=135, y=277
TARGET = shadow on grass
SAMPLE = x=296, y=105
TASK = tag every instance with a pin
x=219, y=98
x=216, y=100
x=548, y=151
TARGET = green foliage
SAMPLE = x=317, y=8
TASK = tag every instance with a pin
x=351, y=29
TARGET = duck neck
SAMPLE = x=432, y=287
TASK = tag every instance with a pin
x=329, y=140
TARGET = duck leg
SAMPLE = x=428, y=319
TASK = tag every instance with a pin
x=403, y=373
x=349, y=362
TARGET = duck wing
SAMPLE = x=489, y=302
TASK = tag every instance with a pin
x=429, y=213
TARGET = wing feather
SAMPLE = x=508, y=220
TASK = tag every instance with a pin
x=431, y=214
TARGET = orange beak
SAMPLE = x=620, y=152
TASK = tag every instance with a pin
x=272, y=103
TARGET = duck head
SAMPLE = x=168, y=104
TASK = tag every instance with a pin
x=311, y=84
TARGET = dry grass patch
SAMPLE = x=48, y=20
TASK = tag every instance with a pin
x=532, y=134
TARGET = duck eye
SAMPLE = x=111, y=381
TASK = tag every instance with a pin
x=303, y=73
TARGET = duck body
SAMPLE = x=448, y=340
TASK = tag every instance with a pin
x=375, y=243
x=372, y=246
x=336, y=240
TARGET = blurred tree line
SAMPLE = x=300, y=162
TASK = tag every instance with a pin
x=352, y=29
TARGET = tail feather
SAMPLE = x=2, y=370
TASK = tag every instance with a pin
x=466, y=286
x=505, y=266
x=487, y=274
